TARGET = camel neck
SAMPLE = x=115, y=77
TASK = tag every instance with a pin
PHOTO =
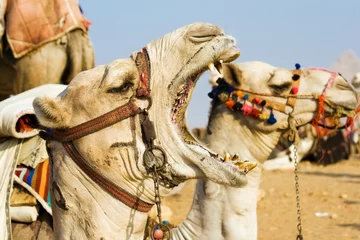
x=84, y=210
x=230, y=131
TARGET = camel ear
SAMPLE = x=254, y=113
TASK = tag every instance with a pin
x=232, y=74
x=51, y=113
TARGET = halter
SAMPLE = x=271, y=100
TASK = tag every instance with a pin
x=253, y=104
x=130, y=109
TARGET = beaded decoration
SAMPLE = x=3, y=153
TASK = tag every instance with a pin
x=251, y=105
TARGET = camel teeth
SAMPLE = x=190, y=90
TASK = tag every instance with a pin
x=219, y=68
x=235, y=157
x=216, y=70
x=245, y=165
x=227, y=157
x=211, y=67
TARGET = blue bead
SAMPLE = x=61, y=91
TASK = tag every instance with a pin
x=246, y=96
x=165, y=222
x=297, y=66
x=272, y=119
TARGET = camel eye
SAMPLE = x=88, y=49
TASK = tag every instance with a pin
x=123, y=88
x=278, y=89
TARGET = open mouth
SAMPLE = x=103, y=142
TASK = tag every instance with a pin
x=181, y=102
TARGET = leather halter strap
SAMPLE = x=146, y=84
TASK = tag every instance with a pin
x=114, y=190
x=66, y=136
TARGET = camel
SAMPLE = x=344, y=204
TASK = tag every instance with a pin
x=294, y=98
x=133, y=144
x=55, y=54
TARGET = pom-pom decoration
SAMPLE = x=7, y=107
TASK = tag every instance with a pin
x=297, y=66
x=271, y=119
x=257, y=100
x=230, y=103
x=237, y=106
x=264, y=116
x=255, y=113
x=294, y=90
x=246, y=109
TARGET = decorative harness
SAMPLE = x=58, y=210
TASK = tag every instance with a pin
x=130, y=109
x=253, y=104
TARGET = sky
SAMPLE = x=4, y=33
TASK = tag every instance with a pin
x=280, y=32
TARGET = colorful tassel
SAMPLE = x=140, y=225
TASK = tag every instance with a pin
x=246, y=109
x=272, y=119
x=237, y=106
x=246, y=97
x=264, y=116
x=257, y=100
x=255, y=113
x=230, y=103
x=224, y=96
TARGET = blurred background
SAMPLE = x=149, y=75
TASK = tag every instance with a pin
x=280, y=32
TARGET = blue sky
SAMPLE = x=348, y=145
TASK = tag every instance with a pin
x=280, y=32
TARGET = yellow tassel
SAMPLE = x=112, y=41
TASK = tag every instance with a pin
x=264, y=116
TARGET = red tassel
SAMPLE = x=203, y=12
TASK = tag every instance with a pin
x=255, y=113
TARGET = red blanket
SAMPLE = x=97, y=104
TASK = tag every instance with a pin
x=31, y=23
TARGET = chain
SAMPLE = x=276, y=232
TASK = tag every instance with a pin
x=157, y=194
x=299, y=226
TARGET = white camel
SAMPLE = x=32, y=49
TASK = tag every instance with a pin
x=105, y=147
x=223, y=212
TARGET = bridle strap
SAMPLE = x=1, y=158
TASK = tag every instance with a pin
x=114, y=190
x=142, y=62
x=66, y=136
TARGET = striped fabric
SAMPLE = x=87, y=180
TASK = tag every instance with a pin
x=38, y=178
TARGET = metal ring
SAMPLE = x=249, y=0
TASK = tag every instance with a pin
x=150, y=149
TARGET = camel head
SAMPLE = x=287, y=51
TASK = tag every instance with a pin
x=269, y=89
x=160, y=79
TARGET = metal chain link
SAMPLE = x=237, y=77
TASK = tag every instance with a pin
x=157, y=194
x=299, y=226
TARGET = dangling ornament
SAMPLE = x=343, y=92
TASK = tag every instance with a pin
x=264, y=116
x=246, y=109
x=230, y=103
x=255, y=113
x=224, y=96
x=271, y=119
x=237, y=106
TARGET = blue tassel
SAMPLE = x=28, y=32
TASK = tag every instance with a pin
x=230, y=89
x=211, y=95
x=297, y=66
x=246, y=96
x=272, y=119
